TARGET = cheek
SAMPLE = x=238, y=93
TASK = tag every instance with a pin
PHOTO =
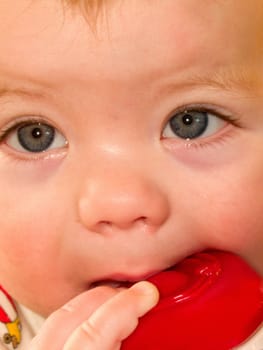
x=30, y=210
x=236, y=222
x=23, y=247
x=230, y=215
x=30, y=239
x=37, y=211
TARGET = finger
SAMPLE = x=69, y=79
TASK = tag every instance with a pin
x=115, y=320
x=254, y=342
x=60, y=325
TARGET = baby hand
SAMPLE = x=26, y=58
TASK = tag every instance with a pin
x=97, y=319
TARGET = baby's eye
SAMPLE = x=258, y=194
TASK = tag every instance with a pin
x=35, y=137
x=192, y=124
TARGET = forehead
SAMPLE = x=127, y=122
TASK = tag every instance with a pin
x=133, y=37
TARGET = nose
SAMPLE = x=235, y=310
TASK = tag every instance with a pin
x=114, y=202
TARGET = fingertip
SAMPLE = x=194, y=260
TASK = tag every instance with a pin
x=149, y=294
x=145, y=288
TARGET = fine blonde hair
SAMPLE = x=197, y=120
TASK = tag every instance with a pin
x=89, y=5
x=91, y=9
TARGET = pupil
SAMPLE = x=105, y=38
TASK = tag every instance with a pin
x=187, y=119
x=37, y=133
x=189, y=125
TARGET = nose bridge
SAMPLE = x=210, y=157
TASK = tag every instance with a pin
x=119, y=195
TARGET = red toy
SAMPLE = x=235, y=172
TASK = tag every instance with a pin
x=209, y=301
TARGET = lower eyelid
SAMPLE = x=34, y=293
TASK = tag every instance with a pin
x=176, y=144
x=54, y=154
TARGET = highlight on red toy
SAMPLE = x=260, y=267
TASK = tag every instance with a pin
x=210, y=301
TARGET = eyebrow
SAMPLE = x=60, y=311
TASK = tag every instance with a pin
x=6, y=91
x=228, y=79
x=225, y=79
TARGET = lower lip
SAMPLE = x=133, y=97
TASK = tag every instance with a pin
x=211, y=300
x=119, y=281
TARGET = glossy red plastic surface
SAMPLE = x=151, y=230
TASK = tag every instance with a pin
x=209, y=301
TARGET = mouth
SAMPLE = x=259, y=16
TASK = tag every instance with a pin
x=184, y=279
x=111, y=283
x=157, y=277
x=121, y=280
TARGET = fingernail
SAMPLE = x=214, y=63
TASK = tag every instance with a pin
x=145, y=288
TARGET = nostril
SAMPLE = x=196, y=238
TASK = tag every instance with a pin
x=104, y=226
x=141, y=219
x=106, y=223
x=144, y=224
x=107, y=226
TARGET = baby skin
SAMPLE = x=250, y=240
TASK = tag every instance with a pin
x=129, y=139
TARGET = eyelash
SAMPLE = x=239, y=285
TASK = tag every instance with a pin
x=24, y=156
x=203, y=108
x=12, y=126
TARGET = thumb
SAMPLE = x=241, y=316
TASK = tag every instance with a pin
x=115, y=320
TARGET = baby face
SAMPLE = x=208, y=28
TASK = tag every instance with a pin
x=126, y=148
